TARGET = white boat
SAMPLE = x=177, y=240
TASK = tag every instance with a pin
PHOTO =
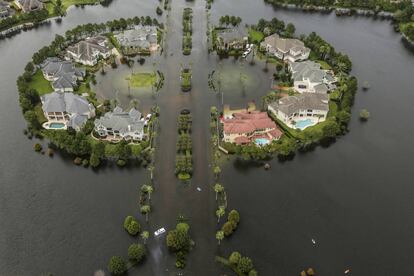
x=313, y=241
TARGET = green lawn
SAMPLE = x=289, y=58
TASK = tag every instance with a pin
x=39, y=114
x=40, y=84
x=142, y=79
x=255, y=36
x=67, y=3
x=324, y=65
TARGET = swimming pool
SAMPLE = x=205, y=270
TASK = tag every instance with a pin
x=261, y=141
x=304, y=124
x=56, y=125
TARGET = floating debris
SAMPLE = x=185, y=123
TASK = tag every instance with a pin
x=267, y=166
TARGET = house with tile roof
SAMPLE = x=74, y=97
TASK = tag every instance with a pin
x=246, y=127
x=285, y=48
x=308, y=77
x=89, y=51
x=67, y=108
x=313, y=107
x=120, y=125
x=29, y=5
x=63, y=74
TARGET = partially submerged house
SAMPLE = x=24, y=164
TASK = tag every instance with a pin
x=302, y=110
x=63, y=74
x=250, y=127
x=231, y=39
x=29, y=5
x=141, y=39
x=66, y=108
x=285, y=48
x=308, y=77
x=120, y=125
x=89, y=51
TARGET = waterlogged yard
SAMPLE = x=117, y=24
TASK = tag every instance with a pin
x=144, y=79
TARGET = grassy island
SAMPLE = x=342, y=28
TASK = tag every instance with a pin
x=187, y=31
x=341, y=96
x=142, y=79
x=186, y=79
x=82, y=143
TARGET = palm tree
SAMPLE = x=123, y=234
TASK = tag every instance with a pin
x=219, y=236
x=218, y=188
x=151, y=170
x=145, y=236
x=150, y=189
x=217, y=171
x=219, y=213
x=145, y=209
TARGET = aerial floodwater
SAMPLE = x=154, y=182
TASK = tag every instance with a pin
x=347, y=207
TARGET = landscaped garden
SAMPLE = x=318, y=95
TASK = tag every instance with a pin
x=187, y=31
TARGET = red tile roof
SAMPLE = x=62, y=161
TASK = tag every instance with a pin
x=248, y=122
x=242, y=140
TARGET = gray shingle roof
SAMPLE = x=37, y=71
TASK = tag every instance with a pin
x=292, y=104
x=30, y=5
x=65, y=102
x=140, y=37
x=85, y=49
x=307, y=70
x=230, y=35
x=285, y=44
x=64, y=72
x=122, y=121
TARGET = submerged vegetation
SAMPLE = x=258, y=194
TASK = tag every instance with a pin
x=184, y=159
x=187, y=31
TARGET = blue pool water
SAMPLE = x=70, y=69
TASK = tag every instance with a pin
x=261, y=141
x=304, y=124
x=57, y=125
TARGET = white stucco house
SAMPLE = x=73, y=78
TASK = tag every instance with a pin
x=308, y=77
x=310, y=107
x=120, y=125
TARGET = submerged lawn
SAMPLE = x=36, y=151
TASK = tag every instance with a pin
x=40, y=84
x=142, y=79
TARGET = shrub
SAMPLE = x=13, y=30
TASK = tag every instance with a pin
x=234, y=258
x=117, y=265
x=364, y=115
x=37, y=147
x=131, y=225
x=245, y=264
x=121, y=162
x=227, y=228
x=234, y=216
x=136, y=252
